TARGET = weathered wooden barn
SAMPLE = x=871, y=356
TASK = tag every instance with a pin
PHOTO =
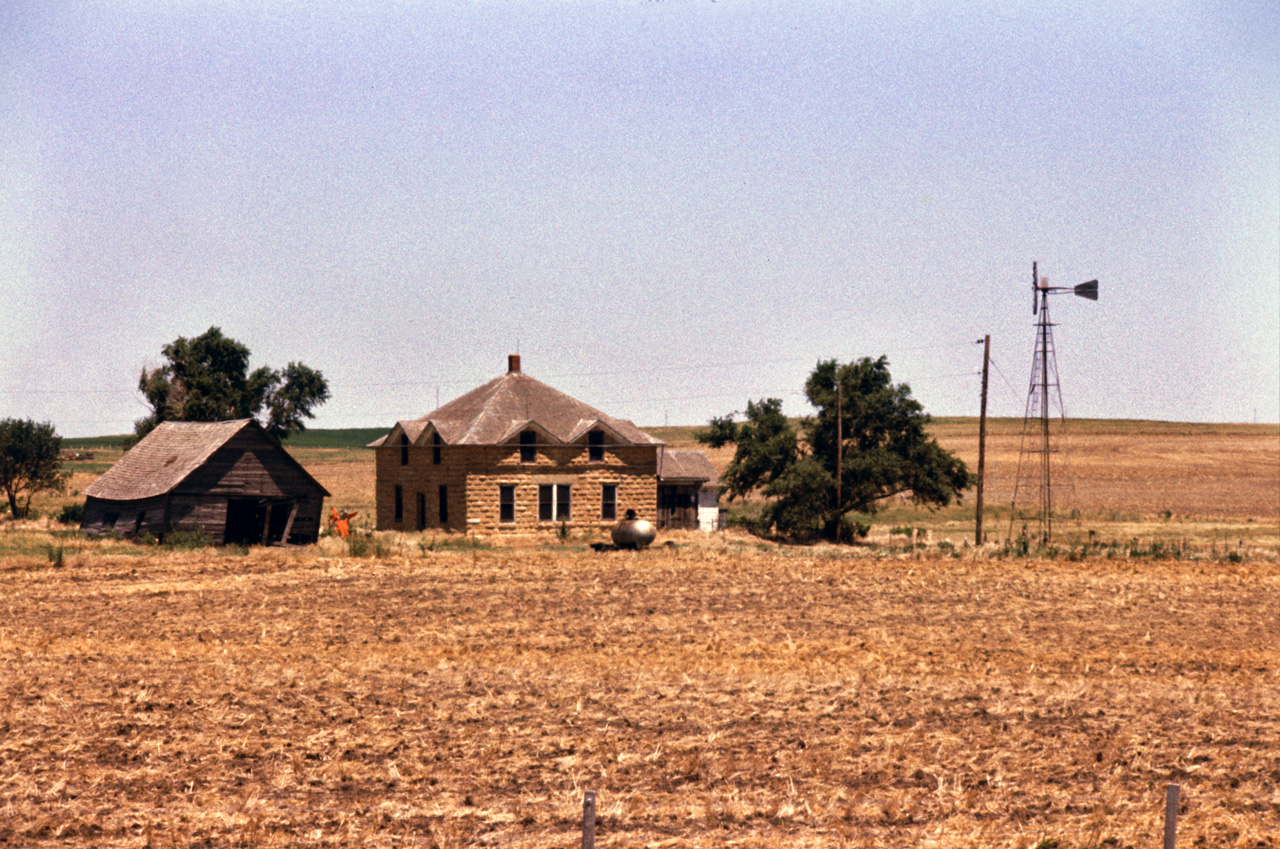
x=518, y=455
x=229, y=479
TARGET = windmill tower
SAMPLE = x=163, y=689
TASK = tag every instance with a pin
x=1033, y=492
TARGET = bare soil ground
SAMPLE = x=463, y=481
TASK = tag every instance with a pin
x=717, y=691
x=714, y=693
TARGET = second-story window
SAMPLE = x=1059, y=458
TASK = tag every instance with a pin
x=595, y=446
x=404, y=449
x=436, y=442
x=528, y=446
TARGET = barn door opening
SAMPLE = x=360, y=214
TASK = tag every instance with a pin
x=253, y=521
x=244, y=521
x=281, y=516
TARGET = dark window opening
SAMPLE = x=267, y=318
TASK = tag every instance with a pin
x=528, y=446
x=609, y=501
x=404, y=449
x=436, y=442
x=554, y=502
x=444, y=504
x=595, y=446
x=506, y=503
x=422, y=510
x=399, y=504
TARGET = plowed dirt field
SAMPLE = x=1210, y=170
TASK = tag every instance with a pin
x=718, y=692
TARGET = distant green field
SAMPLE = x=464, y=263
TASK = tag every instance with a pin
x=351, y=437
x=95, y=443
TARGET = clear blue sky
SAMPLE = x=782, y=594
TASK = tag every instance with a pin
x=666, y=207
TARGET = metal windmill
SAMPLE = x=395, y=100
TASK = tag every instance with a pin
x=1035, y=469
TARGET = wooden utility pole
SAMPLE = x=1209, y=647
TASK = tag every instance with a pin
x=982, y=437
x=839, y=456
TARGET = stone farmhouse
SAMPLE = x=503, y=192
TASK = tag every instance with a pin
x=516, y=455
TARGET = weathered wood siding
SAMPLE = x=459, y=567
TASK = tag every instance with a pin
x=678, y=506
x=127, y=518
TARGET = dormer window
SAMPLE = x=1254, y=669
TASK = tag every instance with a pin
x=404, y=449
x=436, y=442
x=595, y=446
x=528, y=446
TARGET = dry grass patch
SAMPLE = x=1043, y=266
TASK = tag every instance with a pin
x=719, y=693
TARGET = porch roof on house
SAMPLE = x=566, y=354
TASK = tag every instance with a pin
x=494, y=413
x=686, y=467
x=165, y=458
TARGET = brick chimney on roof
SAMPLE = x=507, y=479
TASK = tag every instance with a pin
x=513, y=363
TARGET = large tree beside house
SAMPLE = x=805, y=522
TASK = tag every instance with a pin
x=207, y=379
x=867, y=443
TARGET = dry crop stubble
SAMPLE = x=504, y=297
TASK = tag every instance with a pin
x=717, y=693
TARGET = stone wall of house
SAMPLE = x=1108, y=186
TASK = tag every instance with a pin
x=473, y=476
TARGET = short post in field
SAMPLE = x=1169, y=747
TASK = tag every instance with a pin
x=589, y=820
x=1171, y=816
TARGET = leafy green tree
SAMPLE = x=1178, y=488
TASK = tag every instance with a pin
x=29, y=462
x=877, y=435
x=207, y=379
x=766, y=446
x=292, y=396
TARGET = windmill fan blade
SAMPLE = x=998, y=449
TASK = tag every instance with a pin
x=1088, y=290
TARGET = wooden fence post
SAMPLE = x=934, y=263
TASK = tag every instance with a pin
x=1171, y=816
x=589, y=820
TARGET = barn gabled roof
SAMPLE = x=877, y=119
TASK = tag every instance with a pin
x=495, y=412
x=165, y=458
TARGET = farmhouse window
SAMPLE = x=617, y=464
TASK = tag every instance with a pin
x=422, y=510
x=595, y=446
x=554, y=502
x=404, y=450
x=444, y=504
x=435, y=448
x=528, y=446
x=506, y=503
x=609, y=501
x=399, y=504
